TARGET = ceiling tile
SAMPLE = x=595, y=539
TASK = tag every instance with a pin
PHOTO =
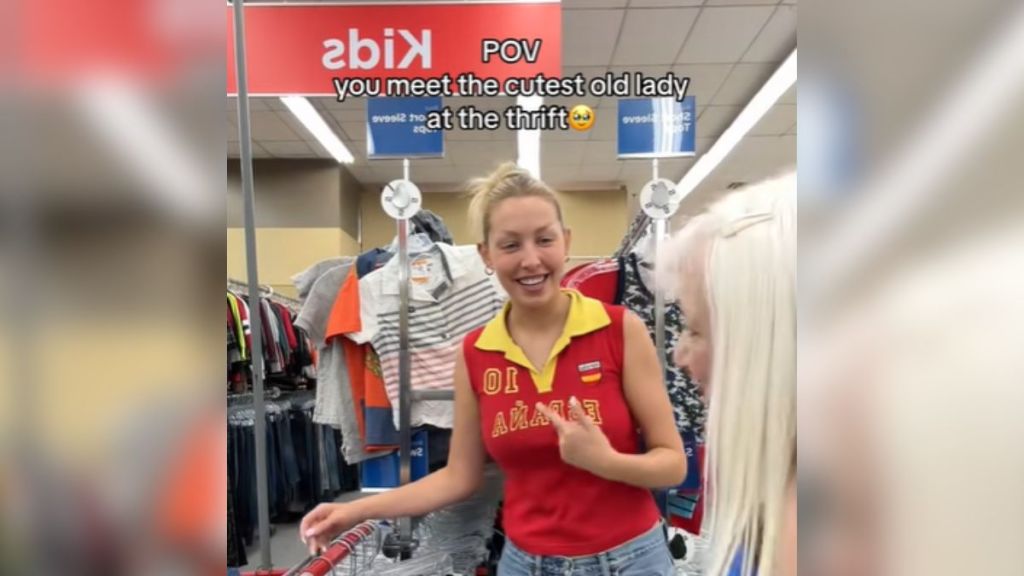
x=577, y=4
x=254, y=104
x=777, y=121
x=605, y=125
x=354, y=131
x=234, y=150
x=790, y=96
x=289, y=149
x=792, y=129
x=653, y=36
x=743, y=82
x=271, y=102
x=740, y=2
x=777, y=39
x=588, y=37
x=600, y=152
x=362, y=173
x=565, y=135
x=715, y=119
x=664, y=3
x=259, y=152
x=637, y=170
x=347, y=115
x=459, y=135
x=496, y=103
x=349, y=105
x=267, y=125
x=702, y=145
x=722, y=35
x=705, y=79
x=759, y=157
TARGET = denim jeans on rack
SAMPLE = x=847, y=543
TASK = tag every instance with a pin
x=290, y=461
x=304, y=492
x=273, y=480
x=249, y=465
x=333, y=469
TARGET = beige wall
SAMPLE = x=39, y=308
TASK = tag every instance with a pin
x=306, y=211
x=598, y=219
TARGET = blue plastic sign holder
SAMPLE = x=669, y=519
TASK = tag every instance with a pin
x=383, y=472
x=657, y=127
x=396, y=128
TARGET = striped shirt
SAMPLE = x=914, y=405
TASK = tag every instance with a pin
x=450, y=295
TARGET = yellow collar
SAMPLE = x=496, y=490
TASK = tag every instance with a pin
x=585, y=316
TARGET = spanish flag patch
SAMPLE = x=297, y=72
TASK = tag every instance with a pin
x=590, y=373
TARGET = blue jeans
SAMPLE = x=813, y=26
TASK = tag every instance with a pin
x=645, y=555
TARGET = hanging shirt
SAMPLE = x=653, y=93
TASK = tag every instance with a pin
x=551, y=507
x=335, y=404
x=271, y=339
x=372, y=407
x=233, y=305
x=599, y=280
x=303, y=281
x=687, y=402
x=450, y=294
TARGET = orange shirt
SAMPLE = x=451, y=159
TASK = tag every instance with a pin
x=373, y=409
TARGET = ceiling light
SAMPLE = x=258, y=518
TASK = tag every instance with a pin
x=783, y=78
x=313, y=122
x=528, y=141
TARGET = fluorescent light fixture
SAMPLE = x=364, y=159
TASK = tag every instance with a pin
x=148, y=146
x=313, y=122
x=528, y=141
x=783, y=78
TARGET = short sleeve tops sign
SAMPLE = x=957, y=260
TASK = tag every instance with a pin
x=553, y=508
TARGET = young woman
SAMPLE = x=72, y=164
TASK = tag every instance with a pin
x=736, y=271
x=561, y=391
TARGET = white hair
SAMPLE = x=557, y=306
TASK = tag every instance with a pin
x=744, y=247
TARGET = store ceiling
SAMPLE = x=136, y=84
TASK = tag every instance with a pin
x=728, y=48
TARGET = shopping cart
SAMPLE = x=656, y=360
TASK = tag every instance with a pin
x=350, y=554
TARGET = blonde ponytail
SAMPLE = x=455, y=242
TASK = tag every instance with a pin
x=508, y=181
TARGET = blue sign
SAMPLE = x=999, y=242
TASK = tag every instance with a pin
x=396, y=128
x=657, y=127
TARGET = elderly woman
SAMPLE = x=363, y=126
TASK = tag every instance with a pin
x=733, y=270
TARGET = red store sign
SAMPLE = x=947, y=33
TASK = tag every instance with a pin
x=301, y=49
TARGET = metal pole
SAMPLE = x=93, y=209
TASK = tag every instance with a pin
x=659, y=296
x=255, y=316
x=404, y=367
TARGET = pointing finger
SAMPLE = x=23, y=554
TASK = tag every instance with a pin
x=556, y=420
x=576, y=409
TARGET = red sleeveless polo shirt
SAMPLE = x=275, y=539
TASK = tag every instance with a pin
x=553, y=508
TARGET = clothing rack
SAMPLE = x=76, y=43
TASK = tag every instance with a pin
x=637, y=229
x=267, y=292
x=252, y=284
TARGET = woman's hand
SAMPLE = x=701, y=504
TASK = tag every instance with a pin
x=580, y=442
x=324, y=523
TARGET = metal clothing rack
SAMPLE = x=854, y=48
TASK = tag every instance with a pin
x=267, y=292
x=252, y=284
x=401, y=541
